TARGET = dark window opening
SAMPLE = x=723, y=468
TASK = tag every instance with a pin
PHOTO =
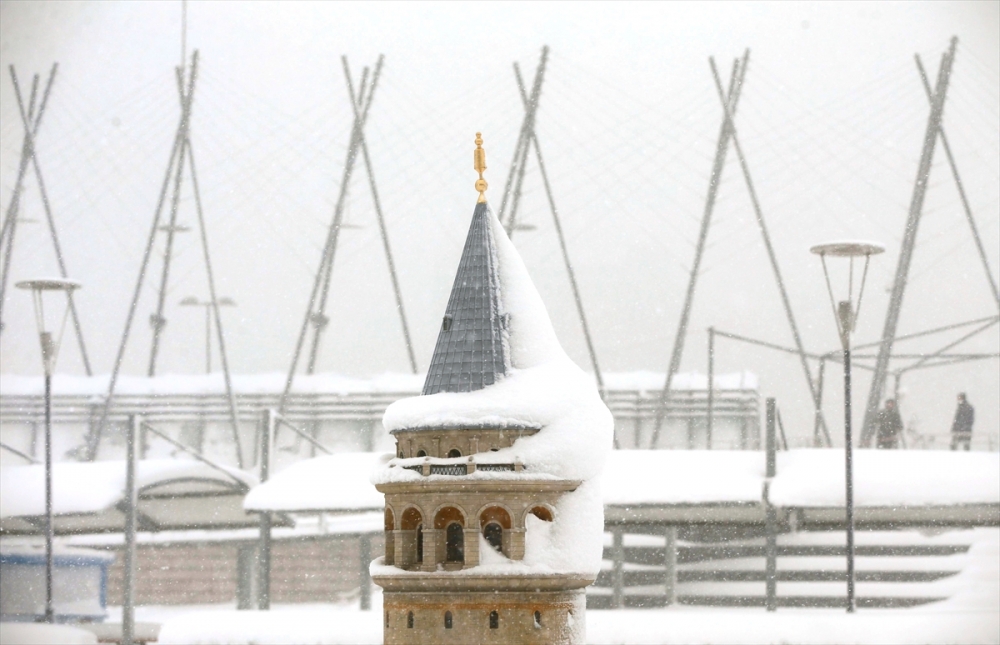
x=455, y=543
x=421, y=453
x=446, y=323
x=447, y=620
x=409, y=620
x=400, y=454
x=538, y=620
x=454, y=452
x=494, y=450
x=542, y=513
x=493, y=533
x=386, y=619
x=420, y=546
x=494, y=620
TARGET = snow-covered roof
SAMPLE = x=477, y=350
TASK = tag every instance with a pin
x=86, y=497
x=886, y=478
x=337, y=482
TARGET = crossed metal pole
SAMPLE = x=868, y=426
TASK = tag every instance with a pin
x=361, y=101
x=181, y=153
x=934, y=131
x=961, y=187
x=527, y=140
x=729, y=101
x=31, y=120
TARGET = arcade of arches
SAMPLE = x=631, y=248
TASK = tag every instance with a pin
x=448, y=535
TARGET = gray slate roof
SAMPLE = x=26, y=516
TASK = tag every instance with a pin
x=470, y=353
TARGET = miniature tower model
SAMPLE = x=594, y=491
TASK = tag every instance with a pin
x=492, y=529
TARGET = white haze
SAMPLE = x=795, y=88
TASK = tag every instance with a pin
x=831, y=118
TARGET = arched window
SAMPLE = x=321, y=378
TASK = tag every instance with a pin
x=455, y=543
x=542, y=513
x=450, y=520
x=447, y=620
x=494, y=520
x=409, y=620
x=390, y=522
x=421, y=453
x=411, y=520
x=494, y=620
x=387, y=619
x=454, y=452
x=538, y=620
x=494, y=535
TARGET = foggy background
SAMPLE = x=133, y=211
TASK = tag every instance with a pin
x=831, y=119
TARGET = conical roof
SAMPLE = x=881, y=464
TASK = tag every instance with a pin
x=471, y=351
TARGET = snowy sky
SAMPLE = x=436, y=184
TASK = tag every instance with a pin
x=831, y=120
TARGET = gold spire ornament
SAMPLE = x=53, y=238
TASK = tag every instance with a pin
x=479, y=163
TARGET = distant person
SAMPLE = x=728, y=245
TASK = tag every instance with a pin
x=888, y=426
x=961, y=427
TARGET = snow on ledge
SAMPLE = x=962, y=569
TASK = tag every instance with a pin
x=805, y=478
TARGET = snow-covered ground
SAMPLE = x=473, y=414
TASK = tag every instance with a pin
x=970, y=616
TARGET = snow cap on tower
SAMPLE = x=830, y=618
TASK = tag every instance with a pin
x=471, y=351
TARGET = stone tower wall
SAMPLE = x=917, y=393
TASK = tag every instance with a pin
x=560, y=617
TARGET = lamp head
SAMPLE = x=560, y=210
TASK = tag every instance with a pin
x=39, y=287
x=848, y=248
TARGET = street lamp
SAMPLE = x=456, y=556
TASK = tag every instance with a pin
x=191, y=301
x=50, y=349
x=845, y=314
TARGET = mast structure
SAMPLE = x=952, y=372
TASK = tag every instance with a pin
x=315, y=317
x=727, y=135
x=31, y=118
x=933, y=132
x=181, y=156
x=511, y=197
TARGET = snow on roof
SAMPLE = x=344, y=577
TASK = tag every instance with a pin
x=543, y=388
x=337, y=482
x=97, y=486
x=644, y=380
x=633, y=477
x=805, y=478
x=65, y=555
x=815, y=478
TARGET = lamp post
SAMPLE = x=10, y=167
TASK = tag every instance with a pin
x=191, y=301
x=50, y=349
x=845, y=313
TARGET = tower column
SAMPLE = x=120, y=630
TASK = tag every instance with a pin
x=471, y=548
x=403, y=548
x=515, y=544
x=430, y=550
x=390, y=546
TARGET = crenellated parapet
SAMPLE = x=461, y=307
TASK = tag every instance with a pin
x=445, y=442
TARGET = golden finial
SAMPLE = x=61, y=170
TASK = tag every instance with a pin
x=479, y=163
